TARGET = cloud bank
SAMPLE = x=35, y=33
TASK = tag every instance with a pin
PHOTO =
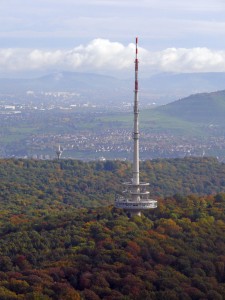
x=102, y=55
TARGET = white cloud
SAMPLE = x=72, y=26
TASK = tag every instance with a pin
x=101, y=55
x=183, y=60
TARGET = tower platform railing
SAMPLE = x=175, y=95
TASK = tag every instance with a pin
x=126, y=203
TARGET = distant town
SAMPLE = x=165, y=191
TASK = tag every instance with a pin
x=35, y=124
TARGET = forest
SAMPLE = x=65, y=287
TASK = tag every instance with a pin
x=61, y=237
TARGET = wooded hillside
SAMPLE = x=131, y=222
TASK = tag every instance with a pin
x=56, y=249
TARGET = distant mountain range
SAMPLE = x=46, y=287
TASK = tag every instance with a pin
x=161, y=88
x=65, y=81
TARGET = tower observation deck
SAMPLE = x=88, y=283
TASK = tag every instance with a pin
x=135, y=197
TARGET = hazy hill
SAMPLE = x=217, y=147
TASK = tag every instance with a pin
x=159, y=88
x=66, y=81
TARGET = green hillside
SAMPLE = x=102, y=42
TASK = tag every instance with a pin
x=199, y=108
x=56, y=246
x=199, y=114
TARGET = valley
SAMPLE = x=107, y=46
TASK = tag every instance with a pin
x=31, y=128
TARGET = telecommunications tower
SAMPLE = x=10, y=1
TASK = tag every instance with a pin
x=59, y=152
x=135, y=196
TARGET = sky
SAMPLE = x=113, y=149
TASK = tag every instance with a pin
x=44, y=36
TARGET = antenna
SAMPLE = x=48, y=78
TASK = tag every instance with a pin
x=136, y=123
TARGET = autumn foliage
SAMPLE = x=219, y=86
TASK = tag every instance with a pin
x=56, y=249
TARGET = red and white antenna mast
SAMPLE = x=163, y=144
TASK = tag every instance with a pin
x=136, y=124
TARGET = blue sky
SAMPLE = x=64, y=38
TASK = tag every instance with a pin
x=97, y=36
